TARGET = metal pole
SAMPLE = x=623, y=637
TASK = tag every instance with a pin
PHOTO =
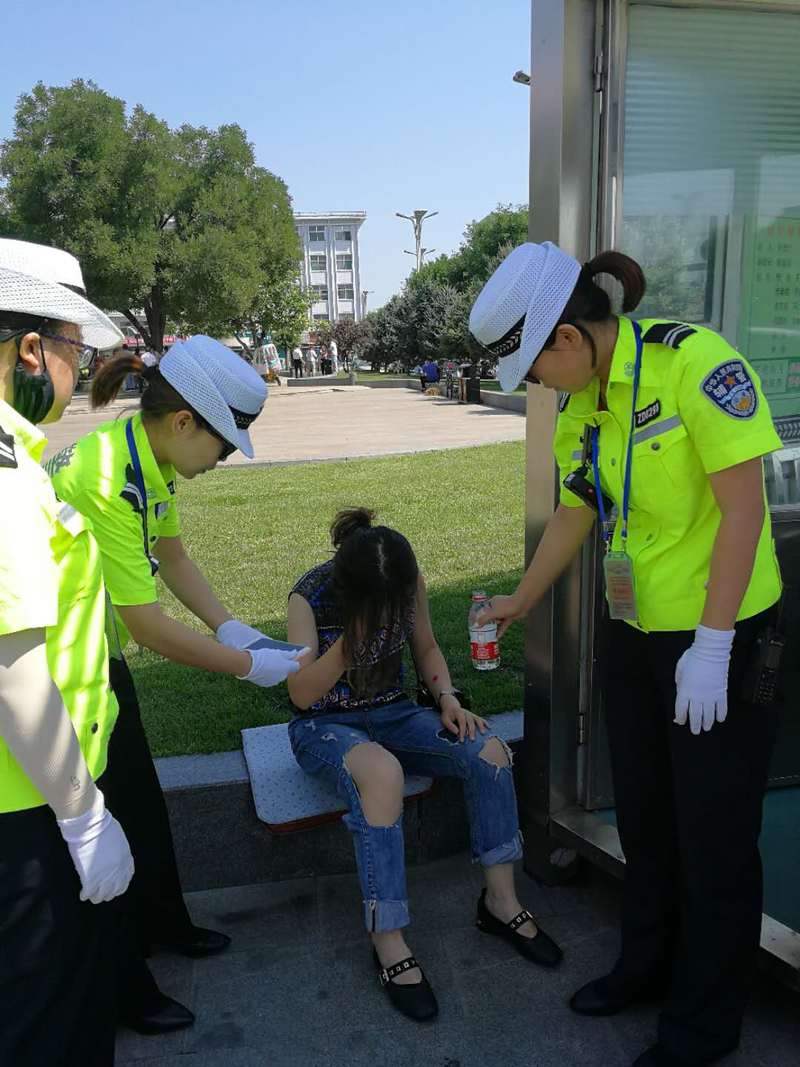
x=416, y=221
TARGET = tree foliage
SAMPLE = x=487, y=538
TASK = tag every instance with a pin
x=180, y=223
x=430, y=318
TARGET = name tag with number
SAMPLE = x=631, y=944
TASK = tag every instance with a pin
x=618, y=572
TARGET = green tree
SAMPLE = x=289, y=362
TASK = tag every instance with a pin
x=180, y=223
x=280, y=311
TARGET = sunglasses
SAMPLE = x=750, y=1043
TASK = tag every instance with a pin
x=227, y=448
x=86, y=353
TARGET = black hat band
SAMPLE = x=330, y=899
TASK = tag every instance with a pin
x=509, y=342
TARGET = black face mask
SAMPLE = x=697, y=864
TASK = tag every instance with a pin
x=33, y=393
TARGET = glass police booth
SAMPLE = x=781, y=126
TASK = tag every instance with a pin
x=672, y=132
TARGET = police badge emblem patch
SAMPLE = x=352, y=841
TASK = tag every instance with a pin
x=730, y=387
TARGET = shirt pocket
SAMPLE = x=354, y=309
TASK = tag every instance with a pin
x=663, y=464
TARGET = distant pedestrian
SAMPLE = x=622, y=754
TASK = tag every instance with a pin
x=297, y=362
x=430, y=374
x=310, y=362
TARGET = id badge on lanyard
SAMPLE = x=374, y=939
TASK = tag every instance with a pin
x=620, y=589
x=618, y=565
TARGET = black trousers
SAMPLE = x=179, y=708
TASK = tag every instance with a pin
x=297, y=368
x=57, y=1005
x=134, y=796
x=689, y=811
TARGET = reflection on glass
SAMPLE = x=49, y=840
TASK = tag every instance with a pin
x=711, y=183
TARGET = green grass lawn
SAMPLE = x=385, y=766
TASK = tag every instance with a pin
x=254, y=532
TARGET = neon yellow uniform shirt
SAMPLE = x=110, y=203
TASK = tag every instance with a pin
x=51, y=578
x=700, y=409
x=96, y=476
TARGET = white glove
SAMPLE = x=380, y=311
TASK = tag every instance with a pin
x=271, y=666
x=702, y=679
x=237, y=634
x=100, y=852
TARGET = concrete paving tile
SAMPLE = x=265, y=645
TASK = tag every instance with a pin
x=272, y=913
x=533, y=1040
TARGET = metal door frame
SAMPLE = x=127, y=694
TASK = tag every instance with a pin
x=578, y=53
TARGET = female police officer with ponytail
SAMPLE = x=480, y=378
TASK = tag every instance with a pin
x=667, y=423
x=196, y=406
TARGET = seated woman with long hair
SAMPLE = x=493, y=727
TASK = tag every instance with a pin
x=357, y=727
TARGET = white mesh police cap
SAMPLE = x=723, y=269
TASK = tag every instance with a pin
x=520, y=304
x=218, y=384
x=40, y=280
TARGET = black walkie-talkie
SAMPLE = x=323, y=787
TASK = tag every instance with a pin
x=761, y=681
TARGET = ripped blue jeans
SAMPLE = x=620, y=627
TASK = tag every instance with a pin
x=423, y=746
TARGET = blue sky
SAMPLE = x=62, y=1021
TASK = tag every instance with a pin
x=376, y=106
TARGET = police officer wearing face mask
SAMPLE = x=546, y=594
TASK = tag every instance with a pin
x=63, y=857
x=666, y=423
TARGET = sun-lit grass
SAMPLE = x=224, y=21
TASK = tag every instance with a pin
x=254, y=532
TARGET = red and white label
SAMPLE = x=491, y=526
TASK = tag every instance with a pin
x=485, y=652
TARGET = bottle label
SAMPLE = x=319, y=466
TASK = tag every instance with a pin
x=487, y=651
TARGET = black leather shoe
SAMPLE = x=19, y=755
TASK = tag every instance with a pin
x=168, y=1017
x=198, y=942
x=417, y=1001
x=609, y=996
x=539, y=949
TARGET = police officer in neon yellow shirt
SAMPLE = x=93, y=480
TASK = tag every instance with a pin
x=63, y=857
x=197, y=404
x=662, y=424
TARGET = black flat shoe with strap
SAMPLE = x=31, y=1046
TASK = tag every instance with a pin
x=416, y=1001
x=539, y=949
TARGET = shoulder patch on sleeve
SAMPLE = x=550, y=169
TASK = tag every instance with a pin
x=730, y=388
x=671, y=334
x=60, y=460
x=8, y=457
x=563, y=400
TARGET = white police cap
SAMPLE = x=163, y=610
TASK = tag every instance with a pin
x=218, y=384
x=520, y=304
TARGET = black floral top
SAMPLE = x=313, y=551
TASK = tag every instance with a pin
x=315, y=588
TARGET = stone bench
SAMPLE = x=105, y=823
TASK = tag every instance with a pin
x=288, y=800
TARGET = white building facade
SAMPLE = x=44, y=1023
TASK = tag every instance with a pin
x=331, y=267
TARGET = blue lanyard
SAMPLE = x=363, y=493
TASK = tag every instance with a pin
x=626, y=491
x=139, y=479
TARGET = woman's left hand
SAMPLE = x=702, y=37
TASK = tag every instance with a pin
x=459, y=721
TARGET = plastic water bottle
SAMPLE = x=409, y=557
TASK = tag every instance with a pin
x=483, y=639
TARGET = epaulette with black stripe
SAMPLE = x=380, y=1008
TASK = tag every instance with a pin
x=671, y=334
x=8, y=457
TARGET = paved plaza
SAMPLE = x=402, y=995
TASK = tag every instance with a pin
x=297, y=988
x=330, y=422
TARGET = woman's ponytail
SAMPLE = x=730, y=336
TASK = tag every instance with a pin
x=109, y=379
x=627, y=272
x=590, y=303
x=348, y=521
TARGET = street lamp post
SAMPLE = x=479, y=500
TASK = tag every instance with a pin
x=364, y=294
x=416, y=221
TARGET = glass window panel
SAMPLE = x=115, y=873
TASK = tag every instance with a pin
x=711, y=184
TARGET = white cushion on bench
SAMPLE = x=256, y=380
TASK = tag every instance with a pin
x=287, y=799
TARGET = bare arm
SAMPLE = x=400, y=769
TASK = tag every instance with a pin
x=149, y=626
x=184, y=578
x=740, y=496
x=317, y=674
x=430, y=660
x=37, y=727
x=562, y=538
